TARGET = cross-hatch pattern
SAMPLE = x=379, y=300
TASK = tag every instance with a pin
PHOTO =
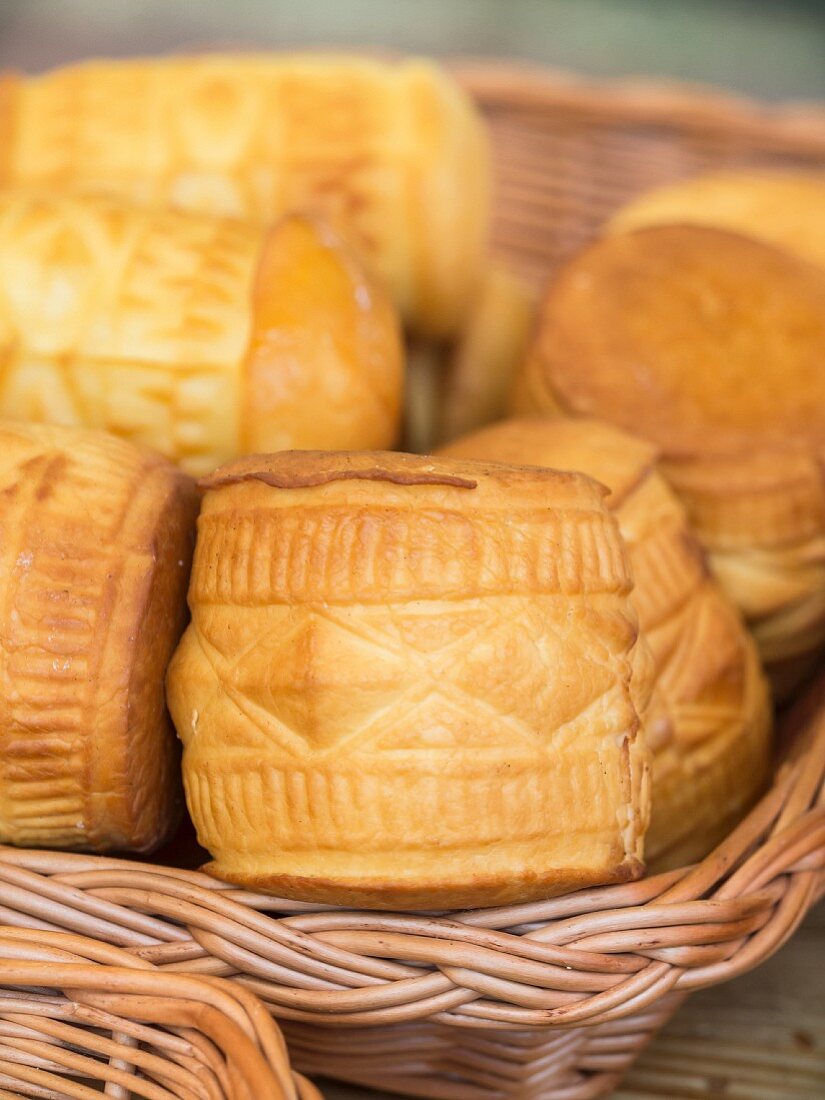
x=130, y=321
x=479, y=675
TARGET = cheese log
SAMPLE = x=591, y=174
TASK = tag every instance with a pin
x=96, y=540
x=392, y=153
x=202, y=337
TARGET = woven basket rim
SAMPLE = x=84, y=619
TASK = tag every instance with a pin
x=587, y=958
x=71, y=1005
x=798, y=124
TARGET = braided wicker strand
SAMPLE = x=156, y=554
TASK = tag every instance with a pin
x=97, y=1013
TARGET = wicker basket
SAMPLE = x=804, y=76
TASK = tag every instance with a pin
x=76, y=1013
x=550, y=1000
x=569, y=152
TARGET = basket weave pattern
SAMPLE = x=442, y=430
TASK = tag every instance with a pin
x=551, y=1000
x=568, y=153
x=97, y=1014
x=508, y=1001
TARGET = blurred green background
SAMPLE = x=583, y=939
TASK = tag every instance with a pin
x=769, y=48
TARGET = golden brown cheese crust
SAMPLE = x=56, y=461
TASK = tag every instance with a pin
x=786, y=209
x=710, y=345
x=200, y=337
x=695, y=338
x=763, y=523
x=408, y=682
x=479, y=371
x=305, y=469
x=393, y=154
x=97, y=540
x=709, y=722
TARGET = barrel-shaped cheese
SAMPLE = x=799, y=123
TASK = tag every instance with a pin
x=410, y=682
x=709, y=723
x=96, y=541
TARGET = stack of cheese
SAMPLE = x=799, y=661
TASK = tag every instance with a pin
x=698, y=321
x=484, y=677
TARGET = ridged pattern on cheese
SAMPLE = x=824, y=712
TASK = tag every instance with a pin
x=96, y=540
x=392, y=154
x=708, y=724
x=200, y=337
x=416, y=694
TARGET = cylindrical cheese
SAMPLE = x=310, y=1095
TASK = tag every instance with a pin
x=710, y=345
x=709, y=722
x=481, y=369
x=96, y=541
x=410, y=682
x=202, y=337
x=784, y=208
x=391, y=153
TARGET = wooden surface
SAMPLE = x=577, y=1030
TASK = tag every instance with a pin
x=761, y=1037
